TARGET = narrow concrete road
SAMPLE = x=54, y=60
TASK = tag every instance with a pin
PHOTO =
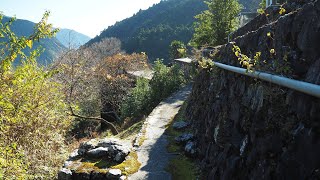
x=152, y=154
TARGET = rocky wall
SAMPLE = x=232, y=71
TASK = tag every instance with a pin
x=251, y=129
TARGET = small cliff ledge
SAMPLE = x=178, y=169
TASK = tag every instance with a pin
x=250, y=129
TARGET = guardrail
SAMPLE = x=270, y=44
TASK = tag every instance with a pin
x=307, y=88
x=304, y=87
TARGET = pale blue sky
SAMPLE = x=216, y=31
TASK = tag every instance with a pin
x=89, y=17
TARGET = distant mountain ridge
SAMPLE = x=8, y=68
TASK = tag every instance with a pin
x=52, y=46
x=72, y=38
x=153, y=30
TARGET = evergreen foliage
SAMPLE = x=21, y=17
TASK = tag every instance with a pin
x=148, y=94
x=153, y=30
x=215, y=24
x=165, y=81
x=177, y=49
x=137, y=101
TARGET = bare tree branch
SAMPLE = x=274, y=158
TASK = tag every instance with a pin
x=118, y=119
x=115, y=131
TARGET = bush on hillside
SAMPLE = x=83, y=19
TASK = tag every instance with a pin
x=146, y=95
x=32, y=110
x=165, y=81
x=138, y=99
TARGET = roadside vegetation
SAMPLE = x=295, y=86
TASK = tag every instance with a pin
x=215, y=24
x=147, y=94
x=33, y=121
x=181, y=166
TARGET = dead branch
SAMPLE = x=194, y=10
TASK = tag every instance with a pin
x=114, y=131
x=118, y=119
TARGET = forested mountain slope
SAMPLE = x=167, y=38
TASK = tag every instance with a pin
x=153, y=30
x=52, y=46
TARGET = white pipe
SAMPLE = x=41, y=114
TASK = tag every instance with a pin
x=308, y=88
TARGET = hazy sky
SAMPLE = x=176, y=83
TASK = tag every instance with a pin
x=89, y=17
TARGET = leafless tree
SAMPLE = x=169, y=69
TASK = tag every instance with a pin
x=106, y=47
x=95, y=80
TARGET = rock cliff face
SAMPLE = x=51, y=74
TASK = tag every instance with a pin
x=250, y=129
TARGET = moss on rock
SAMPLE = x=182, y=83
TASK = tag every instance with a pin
x=130, y=165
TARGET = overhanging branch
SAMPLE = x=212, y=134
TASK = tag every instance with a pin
x=94, y=118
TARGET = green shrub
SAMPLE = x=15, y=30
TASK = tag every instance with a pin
x=32, y=110
x=177, y=49
x=138, y=99
x=146, y=95
x=165, y=81
x=215, y=24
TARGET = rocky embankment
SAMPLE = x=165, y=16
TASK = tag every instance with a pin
x=94, y=159
x=250, y=129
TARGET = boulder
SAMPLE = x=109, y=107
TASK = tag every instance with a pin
x=86, y=146
x=114, y=174
x=190, y=149
x=99, y=152
x=117, y=151
x=123, y=178
x=111, y=150
x=108, y=141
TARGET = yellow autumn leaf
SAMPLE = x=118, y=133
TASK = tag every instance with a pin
x=29, y=43
x=260, y=11
x=272, y=51
x=109, y=77
x=269, y=34
x=282, y=11
x=13, y=56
